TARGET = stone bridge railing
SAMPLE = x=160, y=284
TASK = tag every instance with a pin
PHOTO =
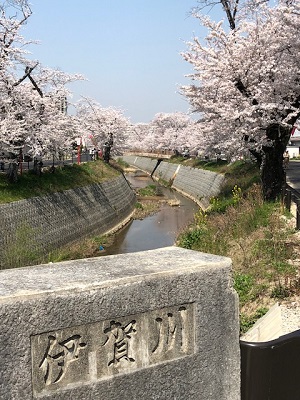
x=198, y=184
x=160, y=324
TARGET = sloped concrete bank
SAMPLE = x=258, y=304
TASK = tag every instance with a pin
x=61, y=218
x=198, y=184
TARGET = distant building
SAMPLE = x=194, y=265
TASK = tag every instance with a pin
x=293, y=146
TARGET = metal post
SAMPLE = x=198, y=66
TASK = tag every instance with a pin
x=297, y=216
x=78, y=154
x=288, y=199
x=282, y=197
x=21, y=162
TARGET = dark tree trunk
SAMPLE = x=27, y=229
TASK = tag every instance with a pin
x=271, y=166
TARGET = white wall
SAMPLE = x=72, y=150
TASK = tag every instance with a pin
x=293, y=151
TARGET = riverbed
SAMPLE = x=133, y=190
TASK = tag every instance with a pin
x=158, y=230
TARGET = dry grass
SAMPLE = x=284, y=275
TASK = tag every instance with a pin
x=262, y=246
x=144, y=208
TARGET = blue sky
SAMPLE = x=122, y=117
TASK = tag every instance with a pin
x=129, y=50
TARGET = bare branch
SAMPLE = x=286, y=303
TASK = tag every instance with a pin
x=27, y=73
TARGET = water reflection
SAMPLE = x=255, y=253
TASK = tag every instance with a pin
x=155, y=231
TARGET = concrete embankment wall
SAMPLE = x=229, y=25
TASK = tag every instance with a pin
x=196, y=183
x=60, y=218
x=160, y=324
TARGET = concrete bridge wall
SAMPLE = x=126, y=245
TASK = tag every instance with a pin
x=154, y=325
x=198, y=184
x=61, y=218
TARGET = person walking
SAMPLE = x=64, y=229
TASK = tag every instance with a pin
x=286, y=159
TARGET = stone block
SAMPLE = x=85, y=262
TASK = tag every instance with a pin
x=160, y=324
x=146, y=164
x=166, y=171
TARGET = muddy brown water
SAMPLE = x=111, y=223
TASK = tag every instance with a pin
x=154, y=231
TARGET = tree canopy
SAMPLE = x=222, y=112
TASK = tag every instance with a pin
x=245, y=90
x=246, y=85
x=34, y=99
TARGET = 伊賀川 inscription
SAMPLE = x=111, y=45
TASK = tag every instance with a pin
x=91, y=352
x=58, y=356
x=118, y=337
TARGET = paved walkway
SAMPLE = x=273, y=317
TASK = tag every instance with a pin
x=293, y=175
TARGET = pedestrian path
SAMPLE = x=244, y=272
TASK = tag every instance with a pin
x=293, y=174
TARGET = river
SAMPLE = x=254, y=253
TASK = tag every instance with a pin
x=154, y=231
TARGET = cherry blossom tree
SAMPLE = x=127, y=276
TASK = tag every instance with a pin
x=138, y=135
x=167, y=131
x=37, y=119
x=32, y=98
x=246, y=84
x=98, y=124
x=167, y=127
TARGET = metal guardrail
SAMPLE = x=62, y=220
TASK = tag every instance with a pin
x=271, y=370
x=48, y=162
x=290, y=195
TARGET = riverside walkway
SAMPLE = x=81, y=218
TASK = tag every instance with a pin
x=293, y=175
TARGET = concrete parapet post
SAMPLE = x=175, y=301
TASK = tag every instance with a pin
x=159, y=324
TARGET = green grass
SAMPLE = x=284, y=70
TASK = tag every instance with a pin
x=150, y=190
x=240, y=225
x=88, y=247
x=237, y=168
x=241, y=173
x=122, y=163
x=22, y=249
x=248, y=320
x=215, y=166
x=68, y=177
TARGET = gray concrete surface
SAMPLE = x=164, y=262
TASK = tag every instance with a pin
x=64, y=217
x=282, y=318
x=198, y=184
x=160, y=324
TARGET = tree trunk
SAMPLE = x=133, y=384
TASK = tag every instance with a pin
x=271, y=168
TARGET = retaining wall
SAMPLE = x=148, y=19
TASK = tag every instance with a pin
x=198, y=184
x=58, y=219
x=153, y=325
